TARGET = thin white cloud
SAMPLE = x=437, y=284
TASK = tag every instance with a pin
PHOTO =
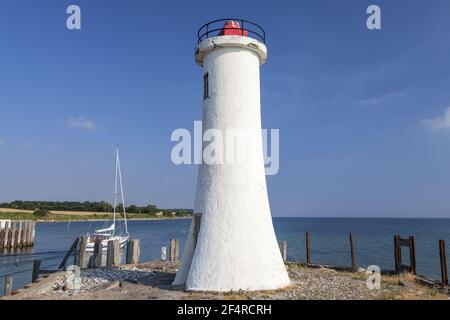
x=372, y=101
x=439, y=123
x=82, y=123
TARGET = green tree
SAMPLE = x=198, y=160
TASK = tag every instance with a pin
x=133, y=209
x=40, y=213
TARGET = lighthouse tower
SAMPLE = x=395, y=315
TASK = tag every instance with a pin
x=235, y=247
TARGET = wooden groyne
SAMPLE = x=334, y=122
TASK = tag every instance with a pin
x=16, y=234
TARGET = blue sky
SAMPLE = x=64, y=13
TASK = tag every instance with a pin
x=351, y=104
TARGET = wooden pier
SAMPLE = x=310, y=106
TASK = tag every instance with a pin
x=16, y=234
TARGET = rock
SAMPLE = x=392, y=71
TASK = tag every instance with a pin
x=361, y=270
x=114, y=285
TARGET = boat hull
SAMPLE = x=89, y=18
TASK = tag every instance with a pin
x=123, y=242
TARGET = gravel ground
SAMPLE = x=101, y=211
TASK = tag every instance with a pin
x=89, y=279
x=153, y=280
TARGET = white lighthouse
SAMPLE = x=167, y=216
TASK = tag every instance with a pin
x=236, y=247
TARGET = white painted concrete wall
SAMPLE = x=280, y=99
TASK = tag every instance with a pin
x=237, y=248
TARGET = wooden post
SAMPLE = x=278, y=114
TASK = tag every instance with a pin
x=136, y=255
x=98, y=253
x=69, y=252
x=29, y=233
x=283, y=249
x=110, y=253
x=111, y=258
x=12, y=244
x=19, y=234
x=33, y=232
x=308, y=248
x=164, y=253
x=133, y=251
x=129, y=252
x=36, y=269
x=116, y=256
x=352, y=251
x=2, y=238
x=6, y=233
x=171, y=250
x=443, y=258
x=82, y=252
x=412, y=254
x=177, y=249
x=174, y=249
x=8, y=285
x=25, y=234
x=397, y=253
x=197, y=224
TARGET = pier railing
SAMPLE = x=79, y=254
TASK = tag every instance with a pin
x=243, y=27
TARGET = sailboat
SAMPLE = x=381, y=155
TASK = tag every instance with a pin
x=109, y=233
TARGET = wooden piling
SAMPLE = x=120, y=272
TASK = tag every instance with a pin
x=68, y=254
x=133, y=251
x=283, y=249
x=98, y=253
x=82, y=252
x=412, y=254
x=308, y=248
x=352, y=251
x=110, y=253
x=197, y=224
x=19, y=234
x=29, y=233
x=2, y=238
x=116, y=255
x=8, y=285
x=36, y=269
x=171, y=250
x=174, y=250
x=398, y=244
x=113, y=253
x=24, y=234
x=177, y=249
x=33, y=232
x=397, y=253
x=6, y=235
x=12, y=240
x=15, y=234
x=163, y=253
x=443, y=258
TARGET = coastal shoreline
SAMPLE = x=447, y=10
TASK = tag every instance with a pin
x=74, y=216
x=100, y=220
x=153, y=280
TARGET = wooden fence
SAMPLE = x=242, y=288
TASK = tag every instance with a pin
x=17, y=234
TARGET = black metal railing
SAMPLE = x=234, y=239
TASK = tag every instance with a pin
x=216, y=27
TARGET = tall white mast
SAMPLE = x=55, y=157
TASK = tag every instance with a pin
x=121, y=190
x=115, y=190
